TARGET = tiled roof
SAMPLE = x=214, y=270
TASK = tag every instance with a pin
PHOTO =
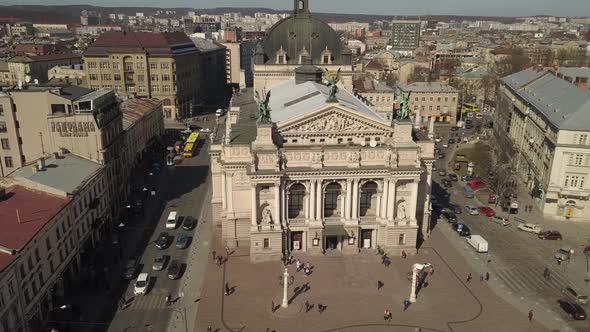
x=144, y=42
x=563, y=104
x=370, y=86
x=35, y=209
x=134, y=109
x=374, y=65
x=427, y=87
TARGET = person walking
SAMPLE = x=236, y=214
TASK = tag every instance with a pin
x=487, y=276
x=298, y=265
x=530, y=315
x=227, y=289
x=379, y=284
x=209, y=329
x=213, y=253
x=468, y=277
x=481, y=277
x=404, y=255
x=406, y=304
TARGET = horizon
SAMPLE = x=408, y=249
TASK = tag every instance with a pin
x=415, y=9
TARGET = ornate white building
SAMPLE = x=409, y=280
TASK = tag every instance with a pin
x=322, y=176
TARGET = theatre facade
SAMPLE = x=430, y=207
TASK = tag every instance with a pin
x=322, y=177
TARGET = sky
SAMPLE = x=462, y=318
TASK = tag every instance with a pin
x=385, y=7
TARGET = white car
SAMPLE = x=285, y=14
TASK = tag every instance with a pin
x=472, y=210
x=141, y=284
x=437, y=139
x=500, y=220
x=531, y=228
x=445, y=145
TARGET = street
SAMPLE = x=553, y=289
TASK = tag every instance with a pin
x=182, y=188
x=516, y=259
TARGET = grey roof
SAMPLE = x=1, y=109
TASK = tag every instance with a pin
x=476, y=72
x=3, y=66
x=427, y=87
x=205, y=45
x=574, y=71
x=563, y=104
x=71, y=92
x=289, y=101
x=66, y=174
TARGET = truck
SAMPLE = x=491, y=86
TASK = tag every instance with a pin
x=478, y=243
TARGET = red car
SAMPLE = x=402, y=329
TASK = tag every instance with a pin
x=550, y=235
x=476, y=184
x=488, y=211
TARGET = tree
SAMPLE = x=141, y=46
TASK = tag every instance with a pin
x=513, y=63
x=391, y=79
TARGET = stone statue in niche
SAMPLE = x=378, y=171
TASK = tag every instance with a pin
x=267, y=215
x=401, y=210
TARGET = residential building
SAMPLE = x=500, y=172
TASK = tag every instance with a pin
x=405, y=35
x=290, y=41
x=95, y=30
x=50, y=257
x=35, y=67
x=38, y=49
x=145, y=64
x=389, y=60
x=541, y=123
x=19, y=29
x=213, y=73
x=88, y=17
x=377, y=95
x=432, y=101
x=74, y=74
x=377, y=42
x=323, y=176
x=235, y=75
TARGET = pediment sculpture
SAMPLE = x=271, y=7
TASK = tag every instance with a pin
x=333, y=122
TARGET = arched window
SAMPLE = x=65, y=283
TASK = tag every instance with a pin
x=166, y=102
x=301, y=4
x=332, y=200
x=368, y=196
x=296, y=198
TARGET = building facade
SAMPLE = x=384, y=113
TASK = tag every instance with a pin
x=34, y=67
x=322, y=176
x=143, y=122
x=432, y=101
x=145, y=64
x=541, y=124
x=377, y=95
x=290, y=41
x=234, y=74
x=405, y=35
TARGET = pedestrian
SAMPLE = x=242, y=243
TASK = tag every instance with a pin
x=226, y=289
x=209, y=329
x=469, y=277
x=306, y=306
x=530, y=315
x=298, y=265
x=272, y=306
x=290, y=259
x=387, y=262
x=404, y=254
x=213, y=254
x=386, y=314
x=227, y=250
x=320, y=308
x=379, y=284
x=431, y=271
x=406, y=304
x=306, y=271
x=487, y=276
x=481, y=277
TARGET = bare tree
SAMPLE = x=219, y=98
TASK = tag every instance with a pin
x=391, y=79
x=515, y=62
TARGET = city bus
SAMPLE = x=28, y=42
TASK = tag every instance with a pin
x=467, y=107
x=191, y=145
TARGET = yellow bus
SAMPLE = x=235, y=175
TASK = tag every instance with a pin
x=191, y=145
x=467, y=107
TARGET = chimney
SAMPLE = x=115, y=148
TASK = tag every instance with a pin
x=41, y=164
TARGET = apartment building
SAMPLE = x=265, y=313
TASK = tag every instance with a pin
x=143, y=123
x=405, y=35
x=146, y=64
x=234, y=74
x=23, y=68
x=432, y=101
x=542, y=123
x=377, y=95
x=43, y=265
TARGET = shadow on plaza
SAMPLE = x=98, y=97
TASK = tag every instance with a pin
x=177, y=182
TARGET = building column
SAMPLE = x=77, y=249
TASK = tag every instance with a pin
x=378, y=207
x=230, y=199
x=285, y=204
x=254, y=212
x=342, y=205
x=355, y=199
x=348, y=201
x=391, y=200
x=311, y=201
x=277, y=214
x=414, y=204
x=223, y=193
x=384, y=199
x=319, y=213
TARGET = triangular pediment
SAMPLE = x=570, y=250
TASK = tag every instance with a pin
x=333, y=120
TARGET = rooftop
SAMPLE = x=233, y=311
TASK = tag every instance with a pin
x=427, y=87
x=574, y=71
x=66, y=174
x=563, y=105
x=134, y=109
x=33, y=217
x=370, y=86
x=46, y=57
x=205, y=45
x=170, y=43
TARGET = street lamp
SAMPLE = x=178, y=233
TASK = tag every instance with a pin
x=286, y=281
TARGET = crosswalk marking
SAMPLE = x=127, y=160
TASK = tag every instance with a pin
x=147, y=302
x=528, y=280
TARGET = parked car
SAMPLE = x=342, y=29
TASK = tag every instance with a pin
x=468, y=121
x=457, y=167
x=563, y=254
x=450, y=216
x=174, y=269
x=451, y=141
x=441, y=156
x=454, y=128
x=472, y=210
x=141, y=284
x=162, y=241
x=462, y=229
x=188, y=223
x=500, y=220
x=182, y=241
x=159, y=262
x=488, y=211
x=457, y=209
x=469, y=126
x=453, y=177
x=531, y=228
x=550, y=235
x=437, y=139
x=447, y=183
x=467, y=177
x=131, y=269
x=445, y=145
x=573, y=309
x=442, y=172
x=575, y=296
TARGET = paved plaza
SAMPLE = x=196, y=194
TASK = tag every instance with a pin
x=347, y=286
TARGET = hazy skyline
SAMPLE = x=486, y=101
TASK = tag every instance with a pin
x=382, y=7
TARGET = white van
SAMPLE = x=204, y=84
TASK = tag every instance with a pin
x=478, y=243
x=172, y=220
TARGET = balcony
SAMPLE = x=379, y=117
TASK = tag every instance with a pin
x=297, y=222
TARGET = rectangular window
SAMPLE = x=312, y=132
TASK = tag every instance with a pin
x=423, y=98
x=93, y=77
x=105, y=77
x=266, y=243
x=438, y=107
x=5, y=144
x=583, y=139
x=438, y=99
x=153, y=66
x=140, y=78
x=92, y=65
x=116, y=66
x=578, y=159
x=165, y=66
x=165, y=77
x=281, y=59
x=166, y=88
x=117, y=77
x=104, y=65
x=446, y=99
x=326, y=59
x=1, y=109
x=141, y=89
x=402, y=239
x=8, y=162
x=155, y=89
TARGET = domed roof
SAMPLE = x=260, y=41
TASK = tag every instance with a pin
x=302, y=33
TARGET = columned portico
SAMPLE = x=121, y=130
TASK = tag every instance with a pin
x=391, y=188
x=355, y=200
x=254, y=212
